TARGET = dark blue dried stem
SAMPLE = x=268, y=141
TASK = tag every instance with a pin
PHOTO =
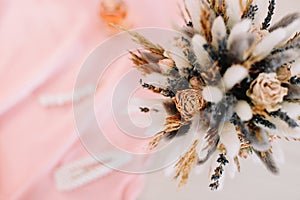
x=284, y=117
x=268, y=19
x=295, y=80
x=258, y=119
x=218, y=172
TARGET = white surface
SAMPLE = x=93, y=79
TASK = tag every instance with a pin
x=253, y=183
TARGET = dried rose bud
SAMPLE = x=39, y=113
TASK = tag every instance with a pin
x=195, y=83
x=284, y=73
x=266, y=92
x=188, y=103
x=166, y=65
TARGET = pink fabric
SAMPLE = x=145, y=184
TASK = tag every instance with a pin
x=42, y=44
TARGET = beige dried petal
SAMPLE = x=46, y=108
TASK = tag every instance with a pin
x=166, y=65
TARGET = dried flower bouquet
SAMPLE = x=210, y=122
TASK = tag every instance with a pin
x=233, y=82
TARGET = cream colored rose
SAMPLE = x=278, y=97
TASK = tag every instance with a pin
x=266, y=92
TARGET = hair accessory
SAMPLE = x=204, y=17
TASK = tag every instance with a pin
x=86, y=170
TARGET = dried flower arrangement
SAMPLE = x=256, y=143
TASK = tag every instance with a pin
x=233, y=74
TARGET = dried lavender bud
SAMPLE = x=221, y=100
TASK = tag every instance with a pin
x=214, y=186
x=260, y=120
x=275, y=61
x=144, y=109
x=222, y=160
x=165, y=92
x=295, y=80
x=218, y=172
x=190, y=24
x=268, y=19
x=215, y=177
x=286, y=47
x=284, y=117
x=251, y=12
x=220, y=169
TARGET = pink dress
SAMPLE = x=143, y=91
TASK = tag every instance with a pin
x=42, y=45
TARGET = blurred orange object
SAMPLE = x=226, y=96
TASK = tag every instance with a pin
x=114, y=12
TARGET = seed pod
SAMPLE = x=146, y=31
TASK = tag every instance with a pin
x=188, y=103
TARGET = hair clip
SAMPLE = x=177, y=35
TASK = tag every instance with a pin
x=86, y=170
x=66, y=98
